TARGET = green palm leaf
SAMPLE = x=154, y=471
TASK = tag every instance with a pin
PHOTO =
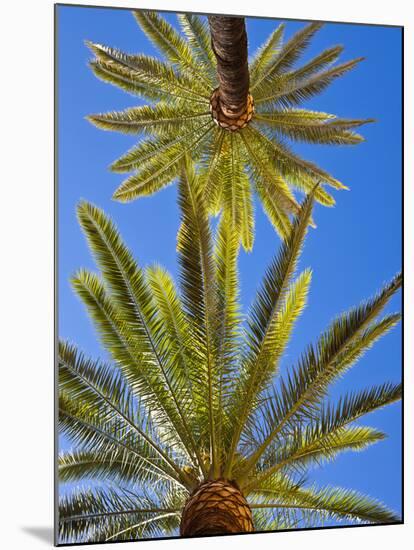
x=166, y=118
x=277, y=200
x=290, y=166
x=199, y=40
x=333, y=503
x=288, y=90
x=330, y=433
x=287, y=55
x=317, y=63
x=166, y=38
x=128, y=286
x=301, y=394
x=276, y=306
x=178, y=122
x=158, y=170
x=144, y=155
x=112, y=467
x=195, y=247
x=142, y=75
x=330, y=132
x=115, y=514
x=266, y=53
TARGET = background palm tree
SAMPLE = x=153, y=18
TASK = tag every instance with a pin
x=191, y=427
x=198, y=105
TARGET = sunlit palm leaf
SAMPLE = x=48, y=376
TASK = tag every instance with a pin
x=159, y=170
x=143, y=76
x=129, y=288
x=195, y=247
x=272, y=303
x=332, y=503
x=335, y=131
x=287, y=56
x=110, y=467
x=198, y=35
x=178, y=90
x=288, y=91
x=170, y=43
x=302, y=392
x=266, y=53
x=160, y=119
x=115, y=515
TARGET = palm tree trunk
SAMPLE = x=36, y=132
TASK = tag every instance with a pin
x=215, y=508
x=229, y=43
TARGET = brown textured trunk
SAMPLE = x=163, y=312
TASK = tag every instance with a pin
x=215, y=508
x=229, y=43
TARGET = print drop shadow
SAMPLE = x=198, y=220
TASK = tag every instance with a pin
x=44, y=534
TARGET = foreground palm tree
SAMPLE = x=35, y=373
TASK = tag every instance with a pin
x=192, y=427
x=234, y=120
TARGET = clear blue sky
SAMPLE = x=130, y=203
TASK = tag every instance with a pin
x=354, y=250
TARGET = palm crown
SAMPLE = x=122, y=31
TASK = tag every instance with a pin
x=192, y=399
x=182, y=116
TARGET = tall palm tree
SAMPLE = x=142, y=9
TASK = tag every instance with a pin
x=192, y=428
x=233, y=118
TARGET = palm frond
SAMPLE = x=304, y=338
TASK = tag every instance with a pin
x=171, y=314
x=100, y=515
x=319, y=443
x=143, y=75
x=236, y=195
x=266, y=53
x=338, y=348
x=136, y=307
x=316, y=64
x=177, y=346
x=84, y=427
x=268, y=163
x=287, y=56
x=270, y=198
x=159, y=119
x=330, y=132
x=170, y=43
x=366, y=340
x=210, y=170
x=159, y=170
x=296, y=117
x=247, y=214
x=112, y=467
x=143, y=154
x=277, y=200
x=195, y=248
x=287, y=91
x=299, y=171
x=263, y=346
x=228, y=318
x=356, y=404
x=98, y=387
x=114, y=335
x=331, y=503
x=198, y=35
x=328, y=434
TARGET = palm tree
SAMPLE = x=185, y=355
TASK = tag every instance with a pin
x=192, y=427
x=232, y=118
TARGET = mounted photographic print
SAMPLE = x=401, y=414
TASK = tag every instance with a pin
x=229, y=253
